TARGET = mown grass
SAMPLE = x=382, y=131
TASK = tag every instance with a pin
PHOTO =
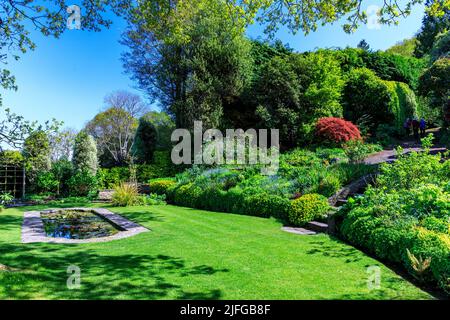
x=193, y=254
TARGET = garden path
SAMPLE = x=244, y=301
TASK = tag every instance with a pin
x=409, y=145
x=387, y=155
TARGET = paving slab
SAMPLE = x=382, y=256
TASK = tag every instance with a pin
x=300, y=231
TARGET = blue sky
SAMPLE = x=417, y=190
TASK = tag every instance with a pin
x=67, y=78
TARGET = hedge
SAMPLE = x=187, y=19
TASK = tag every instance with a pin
x=162, y=166
x=235, y=200
x=389, y=239
x=388, y=102
x=161, y=186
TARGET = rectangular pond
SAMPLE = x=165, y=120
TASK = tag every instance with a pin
x=73, y=224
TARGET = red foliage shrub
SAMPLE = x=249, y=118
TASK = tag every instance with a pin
x=336, y=130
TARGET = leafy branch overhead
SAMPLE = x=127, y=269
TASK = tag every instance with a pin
x=306, y=15
x=297, y=15
x=17, y=17
x=14, y=129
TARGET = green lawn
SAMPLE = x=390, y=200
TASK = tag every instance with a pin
x=193, y=254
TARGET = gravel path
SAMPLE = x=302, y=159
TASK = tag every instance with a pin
x=390, y=155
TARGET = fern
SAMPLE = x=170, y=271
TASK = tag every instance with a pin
x=419, y=265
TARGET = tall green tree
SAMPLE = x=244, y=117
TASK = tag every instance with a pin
x=36, y=151
x=363, y=45
x=14, y=129
x=435, y=85
x=85, y=154
x=164, y=126
x=435, y=21
x=144, y=141
x=404, y=48
x=195, y=70
x=292, y=92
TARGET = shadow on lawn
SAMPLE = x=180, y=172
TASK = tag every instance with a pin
x=10, y=222
x=43, y=273
x=42, y=269
x=139, y=216
x=336, y=250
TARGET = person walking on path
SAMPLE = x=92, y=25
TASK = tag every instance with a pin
x=422, y=126
x=407, y=127
x=416, y=127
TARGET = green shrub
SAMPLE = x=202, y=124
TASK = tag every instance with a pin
x=330, y=154
x=427, y=200
x=161, y=186
x=110, y=177
x=390, y=240
x=385, y=134
x=357, y=227
x=266, y=206
x=356, y=150
x=214, y=199
x=152, y=200
x=160, y=167
x=435, y=224
x=405, y=218
x=62, y=171
x=187, y=195
x=46, y=182
x=125, y=194
x=329, y=185
x=82, y=184
x=410, y=171
x=234, y=200
x=348, y=172
x=307, y=208
x=6, y=198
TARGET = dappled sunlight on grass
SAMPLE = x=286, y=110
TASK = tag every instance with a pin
x=193, y=254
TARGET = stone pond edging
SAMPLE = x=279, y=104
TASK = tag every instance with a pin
x=33, y=227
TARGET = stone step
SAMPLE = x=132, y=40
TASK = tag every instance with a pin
x=341, y=202
x=300, y=231
x=317, y=226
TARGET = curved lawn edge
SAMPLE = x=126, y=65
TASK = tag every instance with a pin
x=194, y=254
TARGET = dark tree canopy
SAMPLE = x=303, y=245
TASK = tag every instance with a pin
x=432, y=25
x=363, y=45
x=145, y=141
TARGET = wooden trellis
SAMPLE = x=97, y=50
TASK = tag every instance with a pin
x=12, y=179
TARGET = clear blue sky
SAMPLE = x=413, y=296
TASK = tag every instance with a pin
x=67, y=78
